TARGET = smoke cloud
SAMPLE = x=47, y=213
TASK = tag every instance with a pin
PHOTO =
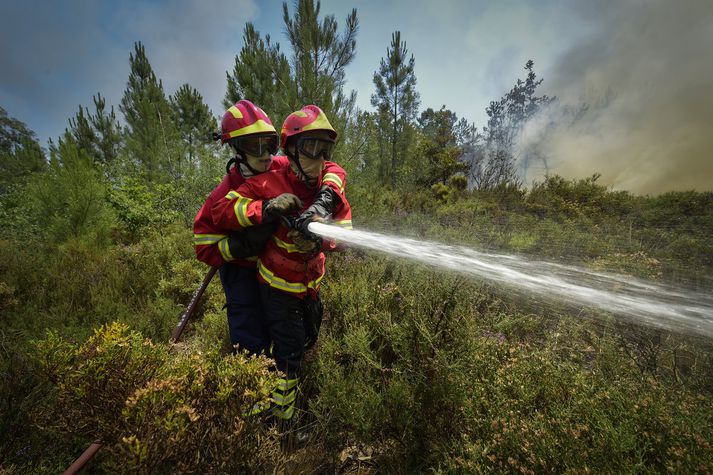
x=635, y=99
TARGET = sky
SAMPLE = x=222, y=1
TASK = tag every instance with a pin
x=642, y=70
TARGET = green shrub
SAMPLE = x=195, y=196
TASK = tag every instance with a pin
x=156, y=410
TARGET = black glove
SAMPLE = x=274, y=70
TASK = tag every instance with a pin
x=323, y=206
x=251, y=241
x=312, y=320
x=280, y=205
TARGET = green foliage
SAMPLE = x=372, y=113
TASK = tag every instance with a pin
x=99, y=135
x=448, y=382
x=313, y=73
x=437, y=156
x=493, y=160
x=70, y=198
x=320, y=56
x=194, y=121
x=20, y=154
x=151, y=134
x=260, y=74
x=396, y=100
x=158, y=410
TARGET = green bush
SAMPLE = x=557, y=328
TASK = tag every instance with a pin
x=431, y=373
x=157, y=410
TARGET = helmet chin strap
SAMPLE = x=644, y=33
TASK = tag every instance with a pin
x=241, y=160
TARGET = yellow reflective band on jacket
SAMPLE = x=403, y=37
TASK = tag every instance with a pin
x=333, y=178
x=315, y=283
x=224, y=249
x=285, y=384
x=343, y=223
x=289, y=247
x=278, y=282
x=241, y=210
x=232, y=194
x=203, y=239
x=281, y=284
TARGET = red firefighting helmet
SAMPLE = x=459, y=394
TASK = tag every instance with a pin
x=244, y=118
x=307, y=118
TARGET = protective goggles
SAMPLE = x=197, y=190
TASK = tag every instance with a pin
x=315, y=148
x=257, y=145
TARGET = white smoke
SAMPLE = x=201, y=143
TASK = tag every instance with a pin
x=635, y=101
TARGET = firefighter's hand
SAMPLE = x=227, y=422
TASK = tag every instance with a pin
x=304, y=244
x=282, y=204
x=302, y=223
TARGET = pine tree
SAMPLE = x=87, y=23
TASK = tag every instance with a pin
x=495, y=162
x=313, y=73
x=98, y=135
x=83, y=133
x=261, y=75
x=107, y=130
x=20, y=153
x=320, y=56
x=396, y=99
x=150, y=132
x=438, y=149
x=194, y=120
x=71, y=196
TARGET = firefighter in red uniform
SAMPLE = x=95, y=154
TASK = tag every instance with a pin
x=250, y=133
x=292, y=264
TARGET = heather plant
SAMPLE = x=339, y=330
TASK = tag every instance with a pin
x=430, y=373
x=157, y=410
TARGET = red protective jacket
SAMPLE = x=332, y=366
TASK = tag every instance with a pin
x=282, y=265
x=211, y=241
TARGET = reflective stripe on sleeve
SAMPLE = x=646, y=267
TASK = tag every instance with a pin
x=224, y=249
x=241, y=210
x=333, y=178
x=203, y=239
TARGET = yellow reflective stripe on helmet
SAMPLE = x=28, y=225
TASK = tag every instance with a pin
x=333, y=178
x=236, y=112
x=224, y=249
x=287, y=246
x=241, y=210
x=320, y=123
x=278, y=282
x=285, y=384
x=260, y=126
x=232, y=194
x=201, y=239
x=343, y=223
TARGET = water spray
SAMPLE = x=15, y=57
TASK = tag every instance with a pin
x=647, y=303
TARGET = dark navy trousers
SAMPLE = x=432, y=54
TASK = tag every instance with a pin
x=246, y=323
x=262, y=319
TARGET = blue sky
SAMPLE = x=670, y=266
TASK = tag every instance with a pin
x=645, y=67
x=56, y=55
